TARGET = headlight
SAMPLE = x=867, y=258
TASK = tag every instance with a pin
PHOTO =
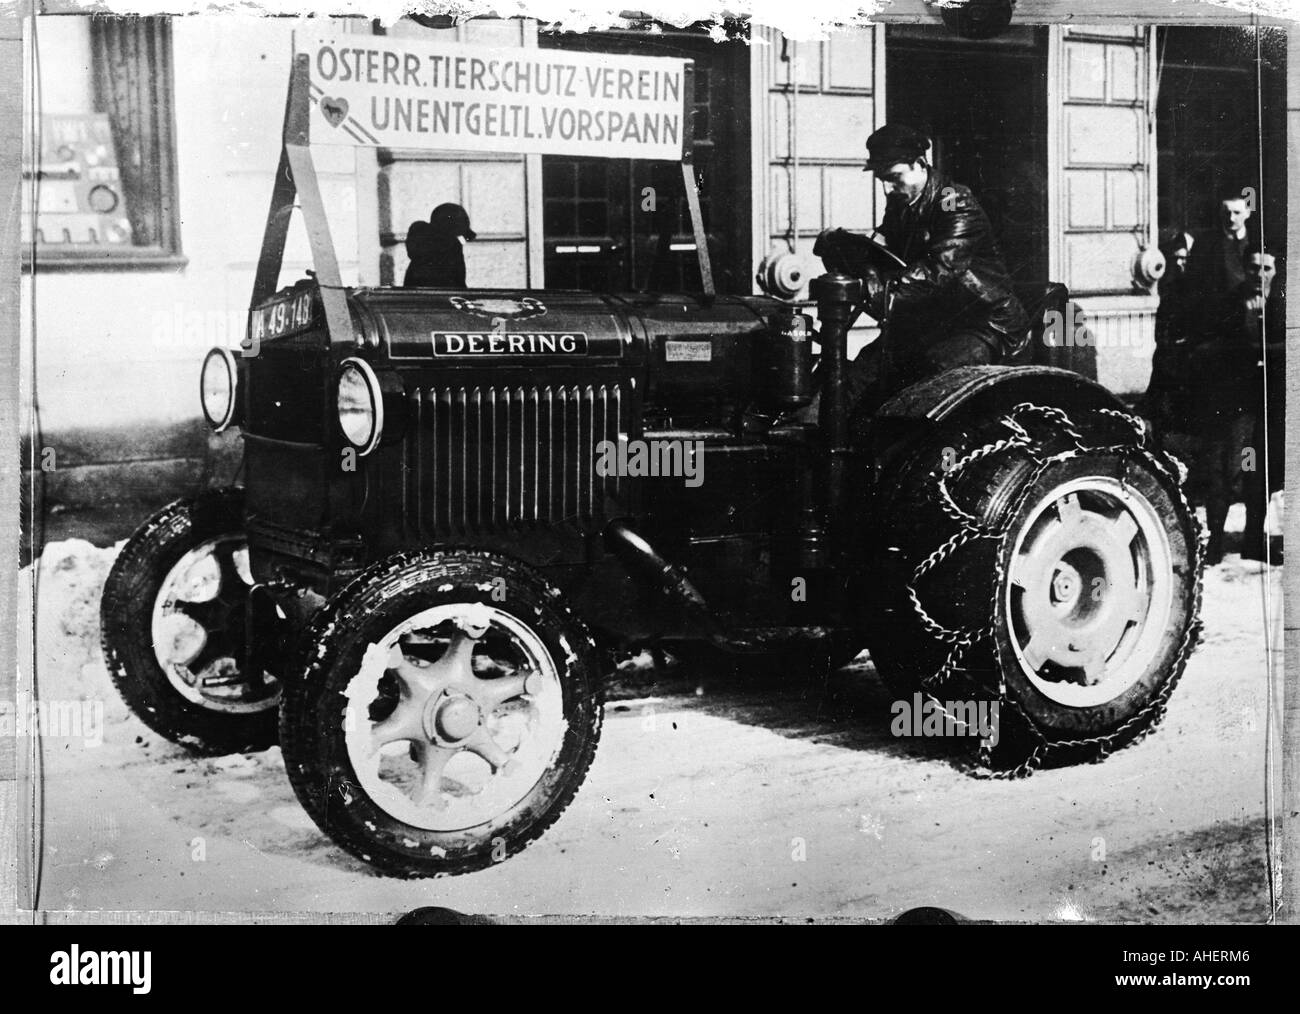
x=218, y=388
x=361, y=405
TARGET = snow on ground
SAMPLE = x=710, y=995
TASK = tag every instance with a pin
x=70, y=665
x=699, y=798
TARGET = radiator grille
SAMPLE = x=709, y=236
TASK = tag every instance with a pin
x=483, y=457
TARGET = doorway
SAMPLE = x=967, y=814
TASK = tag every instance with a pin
x=1209, y=115
x=984, y=103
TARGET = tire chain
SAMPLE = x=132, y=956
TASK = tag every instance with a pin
x=970, y=528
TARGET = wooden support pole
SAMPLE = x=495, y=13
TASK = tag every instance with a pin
x=295, y=176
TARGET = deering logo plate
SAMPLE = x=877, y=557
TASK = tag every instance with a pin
x=498, y=343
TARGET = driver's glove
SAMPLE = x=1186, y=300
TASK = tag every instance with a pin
x=832, y=248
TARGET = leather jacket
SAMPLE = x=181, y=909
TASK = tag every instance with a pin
x=955, y=275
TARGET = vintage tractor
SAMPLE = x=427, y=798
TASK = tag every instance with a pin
x=452, y=518
x=458, y=506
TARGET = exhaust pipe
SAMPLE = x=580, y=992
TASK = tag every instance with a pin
x=644, y=563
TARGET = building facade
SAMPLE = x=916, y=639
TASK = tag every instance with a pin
x=1068, y=134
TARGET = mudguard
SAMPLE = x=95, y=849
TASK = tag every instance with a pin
x=983, y=392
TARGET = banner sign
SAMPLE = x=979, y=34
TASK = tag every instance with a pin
x=370, y=90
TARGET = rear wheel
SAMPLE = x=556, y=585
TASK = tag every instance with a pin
x=1045, y=561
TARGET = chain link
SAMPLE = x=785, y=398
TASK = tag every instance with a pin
x=1137, y=424
x=1020, y=438
x=945, y=671
x=950, y=546
x=1055, y=414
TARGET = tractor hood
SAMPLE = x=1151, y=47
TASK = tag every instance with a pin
x=485, y=327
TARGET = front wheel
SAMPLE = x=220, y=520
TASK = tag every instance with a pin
x=1046, y=561
x=174, y=617
x=448, y=711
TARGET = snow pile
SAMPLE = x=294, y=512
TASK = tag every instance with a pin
x=70, y=665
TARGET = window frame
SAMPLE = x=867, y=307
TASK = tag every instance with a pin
x=151, y=37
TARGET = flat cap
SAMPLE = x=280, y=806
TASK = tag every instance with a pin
x=895, y=143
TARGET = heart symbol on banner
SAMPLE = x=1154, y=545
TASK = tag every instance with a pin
x=335, y=110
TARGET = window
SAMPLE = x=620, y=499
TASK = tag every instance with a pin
x=104, y=145
x=603, y=233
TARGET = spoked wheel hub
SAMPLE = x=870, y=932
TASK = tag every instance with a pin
x=1089, y=589
x=457, y=718
x=450, y=719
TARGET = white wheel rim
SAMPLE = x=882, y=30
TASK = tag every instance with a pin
x=209, y=582
x=1089, y=591
x=457, y=749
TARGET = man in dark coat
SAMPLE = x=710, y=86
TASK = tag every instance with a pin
x=1228, y=368
x=1215, y=266
x=950, y=303
x=1167, y=402
x=436, y=249
x=1264, y=325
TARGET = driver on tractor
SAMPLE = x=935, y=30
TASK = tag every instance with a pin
x=945, y=298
